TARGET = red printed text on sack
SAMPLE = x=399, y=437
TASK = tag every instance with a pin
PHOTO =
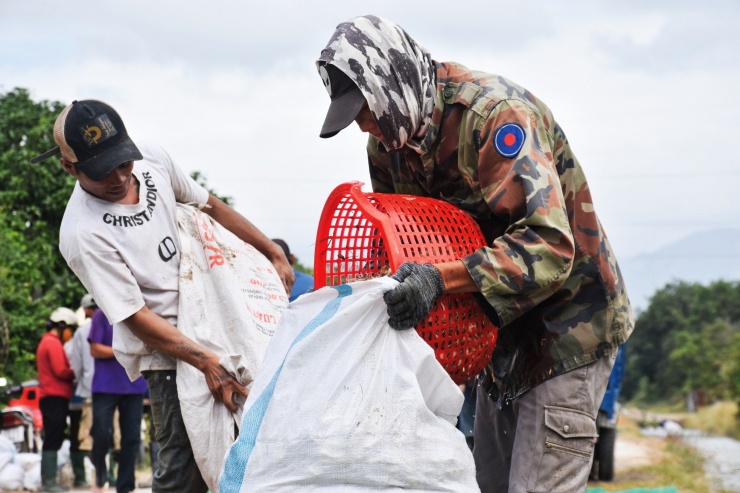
x=212, y=250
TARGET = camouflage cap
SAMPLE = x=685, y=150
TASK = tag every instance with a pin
x=395, y=74
x=346, y=100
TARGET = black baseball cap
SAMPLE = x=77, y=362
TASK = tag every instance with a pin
x=91, y=135
x=346, y=100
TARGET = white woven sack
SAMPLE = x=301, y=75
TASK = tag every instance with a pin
x=11, y=477
x=230, y=302
x=344, y=403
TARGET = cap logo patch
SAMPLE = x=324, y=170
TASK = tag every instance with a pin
x=91, y=134
x=325, y=78
x=509, y=139
x=98, y=130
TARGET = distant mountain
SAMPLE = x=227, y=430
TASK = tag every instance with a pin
x=702, y=257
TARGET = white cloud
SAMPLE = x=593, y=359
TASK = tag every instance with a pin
x=646, y=94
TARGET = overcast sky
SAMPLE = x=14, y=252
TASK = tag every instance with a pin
x=648, y=93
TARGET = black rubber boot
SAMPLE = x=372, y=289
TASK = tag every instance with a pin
x=78, y=467
x=49, y=473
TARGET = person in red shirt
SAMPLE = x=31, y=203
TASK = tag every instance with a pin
x=55, y=390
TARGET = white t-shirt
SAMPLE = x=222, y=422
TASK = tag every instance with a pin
x=128, y=256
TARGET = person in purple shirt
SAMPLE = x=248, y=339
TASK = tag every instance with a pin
x=111, y=389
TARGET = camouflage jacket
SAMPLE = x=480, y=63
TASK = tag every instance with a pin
x=550, y=273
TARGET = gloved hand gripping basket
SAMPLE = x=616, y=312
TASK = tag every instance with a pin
x=366, y=235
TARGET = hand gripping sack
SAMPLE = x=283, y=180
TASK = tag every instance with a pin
x=344, y=403
x=230, y=301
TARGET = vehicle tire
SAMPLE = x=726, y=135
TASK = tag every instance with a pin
x=605, y=453
x=594, y=474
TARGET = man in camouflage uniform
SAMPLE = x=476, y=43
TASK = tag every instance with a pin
x=549, y=277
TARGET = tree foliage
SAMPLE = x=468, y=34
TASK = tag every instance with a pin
x=687, y=340
x=34, y=278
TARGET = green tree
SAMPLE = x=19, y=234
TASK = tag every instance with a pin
x=34, y=278
x=684, y=341
x=733, y=367
x=701, y=358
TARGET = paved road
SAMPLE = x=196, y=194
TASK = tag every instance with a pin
x=112, y=489
x=722, y=456
x=140, y=476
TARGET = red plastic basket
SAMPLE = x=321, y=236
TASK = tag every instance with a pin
x=365, y=235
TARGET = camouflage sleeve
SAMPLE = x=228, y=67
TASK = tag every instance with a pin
x=380, y=174
x=520, y=184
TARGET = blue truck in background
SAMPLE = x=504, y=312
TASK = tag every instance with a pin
x=606, y=422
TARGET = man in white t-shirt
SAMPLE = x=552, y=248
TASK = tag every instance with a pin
x=119, y=235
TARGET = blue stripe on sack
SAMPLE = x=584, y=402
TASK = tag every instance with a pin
x=238, y=456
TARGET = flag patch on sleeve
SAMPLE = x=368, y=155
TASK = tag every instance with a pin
x=509, y=139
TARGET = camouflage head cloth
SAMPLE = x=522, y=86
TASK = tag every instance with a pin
x=394, y=72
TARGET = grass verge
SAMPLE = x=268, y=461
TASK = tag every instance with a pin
x=721, y=419
x=680, y=466
x=670, y=462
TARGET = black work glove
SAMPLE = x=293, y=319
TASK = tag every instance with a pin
x=410, y=302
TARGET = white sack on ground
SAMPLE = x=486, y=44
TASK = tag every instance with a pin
x=7, y=451
x=27, y=460
x=11, y=477
x=32, y=477
x=230, y=302
x=344, y=403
